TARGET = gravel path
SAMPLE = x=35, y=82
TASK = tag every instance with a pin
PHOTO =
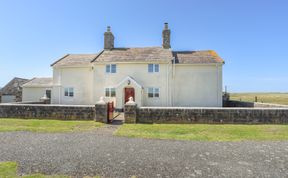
x=100, y=153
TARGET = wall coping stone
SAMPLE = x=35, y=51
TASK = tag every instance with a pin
x=46, y=105
x=214, y=108
x=271, y=104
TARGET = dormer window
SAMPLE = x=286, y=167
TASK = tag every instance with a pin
x=153, y=68
x=111, y=68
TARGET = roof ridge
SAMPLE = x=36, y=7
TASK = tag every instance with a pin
x=83, y=53
x=139, y=47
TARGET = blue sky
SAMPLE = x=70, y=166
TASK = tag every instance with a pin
x=250, y=35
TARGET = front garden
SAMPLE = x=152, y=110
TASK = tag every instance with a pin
x=39, y=125
x=206, y=132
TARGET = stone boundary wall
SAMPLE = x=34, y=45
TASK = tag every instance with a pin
x=101, y=114
x=44, y=111
x=269, y=105
x=234, y=103
x=211, y=115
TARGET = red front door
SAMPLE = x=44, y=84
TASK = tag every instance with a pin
x=128, y=93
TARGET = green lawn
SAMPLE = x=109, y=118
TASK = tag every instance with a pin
x=205, y=132
x=34, y=125
x=9, y=170
x=277, y=98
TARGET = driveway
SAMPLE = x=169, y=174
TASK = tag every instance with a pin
x=100, y=153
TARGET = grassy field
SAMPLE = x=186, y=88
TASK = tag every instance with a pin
x=34, y=125
x=205, y=132
x=277, y=98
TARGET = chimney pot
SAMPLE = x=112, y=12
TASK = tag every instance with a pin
x=166, y=26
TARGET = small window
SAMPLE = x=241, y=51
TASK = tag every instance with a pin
x=111, y=68
x=66, y=92
x=156, y=92
x=153, y=68
x=153, y=92
x=150, y=92
x=69, y=92
x=113, y=92
x=110, y=92
x=156, y=67
x=150, y=68
x=107, y=92
x=108, y=68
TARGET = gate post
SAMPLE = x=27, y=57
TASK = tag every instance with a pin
x=101, y=114
x=130, y=111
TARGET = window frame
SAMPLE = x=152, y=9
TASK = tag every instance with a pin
x=153, y=69
x=69, y=92
x=155, y=92
x=110, y=92
x=111, y=68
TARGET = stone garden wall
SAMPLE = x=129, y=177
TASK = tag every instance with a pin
x=233, y=103
x=45, y=111
x=134, y=114
x=209, y=115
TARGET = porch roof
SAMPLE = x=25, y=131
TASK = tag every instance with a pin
x=129, y=79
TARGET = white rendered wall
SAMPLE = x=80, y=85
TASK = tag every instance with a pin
x=192, y=85
x=197, y=85
x=34, y=93
x=141, y=75
x=78, y=78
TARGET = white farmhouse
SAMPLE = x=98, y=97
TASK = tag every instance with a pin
x=153, y=76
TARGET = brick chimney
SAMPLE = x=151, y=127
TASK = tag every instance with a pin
x=108, y=39
x=166, y=37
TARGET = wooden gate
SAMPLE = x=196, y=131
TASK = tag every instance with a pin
x=110, y=112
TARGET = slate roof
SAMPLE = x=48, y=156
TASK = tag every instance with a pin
x=14, y=86
x=197, y=57
x=145, y=54
x=39, y=82
x=75, y=60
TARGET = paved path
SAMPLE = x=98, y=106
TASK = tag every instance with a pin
x=100, y=153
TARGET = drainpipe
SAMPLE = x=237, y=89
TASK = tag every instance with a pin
x=173, y=79
x=217, y=67
x=167, y=84
x=60, y=82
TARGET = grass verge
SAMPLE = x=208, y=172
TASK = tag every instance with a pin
x=9, y=170
x=34, y=125
x=205, y=132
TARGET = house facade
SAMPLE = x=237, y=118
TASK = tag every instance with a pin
x=153, y=76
